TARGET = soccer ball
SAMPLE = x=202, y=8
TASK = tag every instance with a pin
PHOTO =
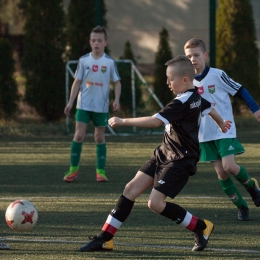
x=21, y=215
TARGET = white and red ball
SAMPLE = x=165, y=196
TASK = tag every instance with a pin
x=21, y=215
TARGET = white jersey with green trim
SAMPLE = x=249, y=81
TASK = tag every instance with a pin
x=95, y=75
x=216, y=87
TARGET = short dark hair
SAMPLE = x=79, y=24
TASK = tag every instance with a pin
x=183, y=65
x=195, y=42
x=99, y=29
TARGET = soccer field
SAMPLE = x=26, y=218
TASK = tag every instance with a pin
x=32, y=169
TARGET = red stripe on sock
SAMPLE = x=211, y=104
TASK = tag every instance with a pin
x=108, y=228
x=193, y=223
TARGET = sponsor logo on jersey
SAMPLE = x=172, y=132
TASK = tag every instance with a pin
x=200, y=90
x=90, y=84
x=195, y=104
x=94, y=68
x=211, y=89
x=103, y=69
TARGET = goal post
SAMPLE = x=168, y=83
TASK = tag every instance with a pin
x=134, y=71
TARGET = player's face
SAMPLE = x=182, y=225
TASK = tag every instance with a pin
x=97, y=42
x=197, y=58
x=174, y=81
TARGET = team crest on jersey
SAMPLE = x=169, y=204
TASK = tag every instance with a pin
x=211, y=89
x=103, y=69
x=200, y=90
x=94, y=68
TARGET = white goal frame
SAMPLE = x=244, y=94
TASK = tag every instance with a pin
x=134, y=71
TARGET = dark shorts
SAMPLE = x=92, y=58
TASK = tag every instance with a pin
x=169, y=179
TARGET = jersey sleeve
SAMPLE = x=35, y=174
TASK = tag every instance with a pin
x=231, y=86
x=79, y=71
x=205, y=106
x=114, y=72
x=171, y=112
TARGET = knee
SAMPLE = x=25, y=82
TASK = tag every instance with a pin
x=152, y=205
x=99, y=138
x=231, y=168
x=79, y=137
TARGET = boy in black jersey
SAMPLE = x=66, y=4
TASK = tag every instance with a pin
x=168, y=170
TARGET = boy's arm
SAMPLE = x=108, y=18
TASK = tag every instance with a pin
x=148, y=121
x=253, y=106
x=73, y=93
x=116, y=104
x=224, y=125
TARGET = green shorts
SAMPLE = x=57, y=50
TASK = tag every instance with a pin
x=99, y=119
x=217, y=149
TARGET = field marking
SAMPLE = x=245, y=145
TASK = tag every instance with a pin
x=114, y=197
x=131, y=245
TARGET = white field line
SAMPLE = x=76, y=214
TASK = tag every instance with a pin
x=143, y=196
x=26, y=240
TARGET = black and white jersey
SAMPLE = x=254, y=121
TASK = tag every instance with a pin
x=181, y=118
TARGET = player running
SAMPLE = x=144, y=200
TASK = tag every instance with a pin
x=220, y=149
x=173, y=162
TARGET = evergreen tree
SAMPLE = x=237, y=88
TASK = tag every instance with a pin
x=80, y=21
x=236, y=48
x=163, y=54
x=8, y=88
x=124, y=70
x=42, y=62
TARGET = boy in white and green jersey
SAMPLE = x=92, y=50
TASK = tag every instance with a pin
x=92, y=86
x=215, y=86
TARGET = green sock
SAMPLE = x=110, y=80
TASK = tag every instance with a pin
x=244, y=178
x=232, y=192
x=101, y=154
x=75, y=152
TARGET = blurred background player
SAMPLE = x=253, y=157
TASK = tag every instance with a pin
x=92, y=85
x=215, y=86
x=173, y=162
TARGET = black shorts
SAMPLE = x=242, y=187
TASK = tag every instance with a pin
x=169, y=179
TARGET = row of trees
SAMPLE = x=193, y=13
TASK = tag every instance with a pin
x=52, y=38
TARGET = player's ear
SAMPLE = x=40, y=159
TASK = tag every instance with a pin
x=206, y=55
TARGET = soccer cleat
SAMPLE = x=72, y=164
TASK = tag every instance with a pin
x=255, y=193
x=243, y=213
x=71, y=175
x=201, y=237
x=97, y=244
x=4, y=247
x=100, y=175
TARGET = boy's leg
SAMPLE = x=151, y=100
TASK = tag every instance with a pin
x=251, y=185
x=101, y=153
x=75, y=152
x=231, y=191
x=202, y=229
x=100, y=121
x=119, y=214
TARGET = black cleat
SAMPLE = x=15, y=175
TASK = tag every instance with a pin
x=97, y=244
x=243, y=213
x=4, y=247
x=255, y=193
x=201, y=237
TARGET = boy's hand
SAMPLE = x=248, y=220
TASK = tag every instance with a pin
x=225, y=126
x=257, y=115
x=116, y=106
x=115, y=121
x=67, y=109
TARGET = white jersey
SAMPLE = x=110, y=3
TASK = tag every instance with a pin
x=95, y=76
x=216, y=87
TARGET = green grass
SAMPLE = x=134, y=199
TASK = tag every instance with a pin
x=32, y=167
